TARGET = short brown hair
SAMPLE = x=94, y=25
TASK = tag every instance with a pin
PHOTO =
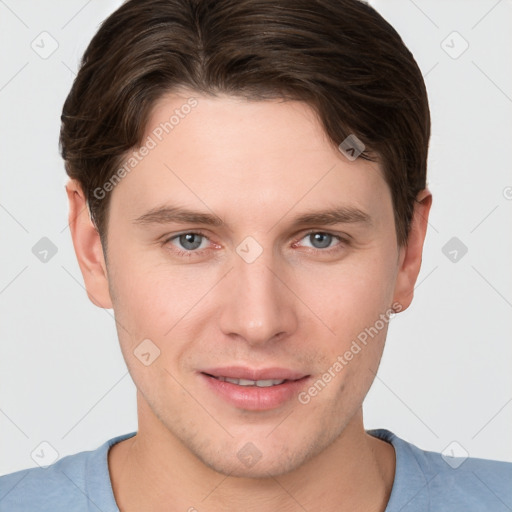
x=339, y=56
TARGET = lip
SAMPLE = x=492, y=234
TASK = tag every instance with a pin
x=243, y=372
x=254, y=398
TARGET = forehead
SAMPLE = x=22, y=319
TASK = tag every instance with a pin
x=252, y=159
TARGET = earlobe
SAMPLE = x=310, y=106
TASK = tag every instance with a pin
x=88, y=248
x=410, y=255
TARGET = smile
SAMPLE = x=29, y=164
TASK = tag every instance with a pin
x=246, y=382
x=255, y=394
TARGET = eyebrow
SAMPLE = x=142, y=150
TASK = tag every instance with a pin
x=330, y=216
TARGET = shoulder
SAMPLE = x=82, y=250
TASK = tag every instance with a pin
x=466, y=480
x=442, y=482
x=75, y=482
x=56, y=487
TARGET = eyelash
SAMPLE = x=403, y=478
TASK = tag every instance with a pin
x=192, y=253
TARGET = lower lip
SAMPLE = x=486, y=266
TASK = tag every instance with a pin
x=254, y=398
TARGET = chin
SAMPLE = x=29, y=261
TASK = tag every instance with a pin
x=260, y=470
x=258, y=459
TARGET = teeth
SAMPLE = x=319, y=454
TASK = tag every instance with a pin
x=270, y=382
x=260, y=383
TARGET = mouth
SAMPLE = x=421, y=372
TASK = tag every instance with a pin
x=264, y=383
x=254, y=390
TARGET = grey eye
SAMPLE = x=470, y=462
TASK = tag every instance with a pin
x=320, y=240
x=190, y=241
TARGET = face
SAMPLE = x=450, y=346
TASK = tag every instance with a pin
x=250, y=284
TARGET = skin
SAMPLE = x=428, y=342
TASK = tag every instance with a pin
x=256, y=165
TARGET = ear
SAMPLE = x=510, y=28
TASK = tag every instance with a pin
x=88, y=248
x=409, y=261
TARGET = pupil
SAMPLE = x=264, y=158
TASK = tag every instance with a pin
x=323, y=238
x=187, y=240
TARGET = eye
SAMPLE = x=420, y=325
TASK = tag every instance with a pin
x=322, y=241
x=188, y=244
x=194, y=243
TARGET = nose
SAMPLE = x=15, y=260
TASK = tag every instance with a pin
x=258, y=306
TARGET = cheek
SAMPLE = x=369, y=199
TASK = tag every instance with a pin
x=350, y=296
x=161, y=303
x=151, y=295
x=164, y=302
x=146, y=310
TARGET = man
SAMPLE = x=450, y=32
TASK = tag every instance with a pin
x=248, y=193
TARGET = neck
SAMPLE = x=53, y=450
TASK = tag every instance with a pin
x=154, y=469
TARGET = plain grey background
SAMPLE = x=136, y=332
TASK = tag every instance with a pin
x=445, y=381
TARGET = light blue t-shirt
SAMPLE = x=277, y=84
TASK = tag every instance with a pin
x=424, y=481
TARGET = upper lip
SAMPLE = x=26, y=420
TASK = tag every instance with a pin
x=243, y=372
